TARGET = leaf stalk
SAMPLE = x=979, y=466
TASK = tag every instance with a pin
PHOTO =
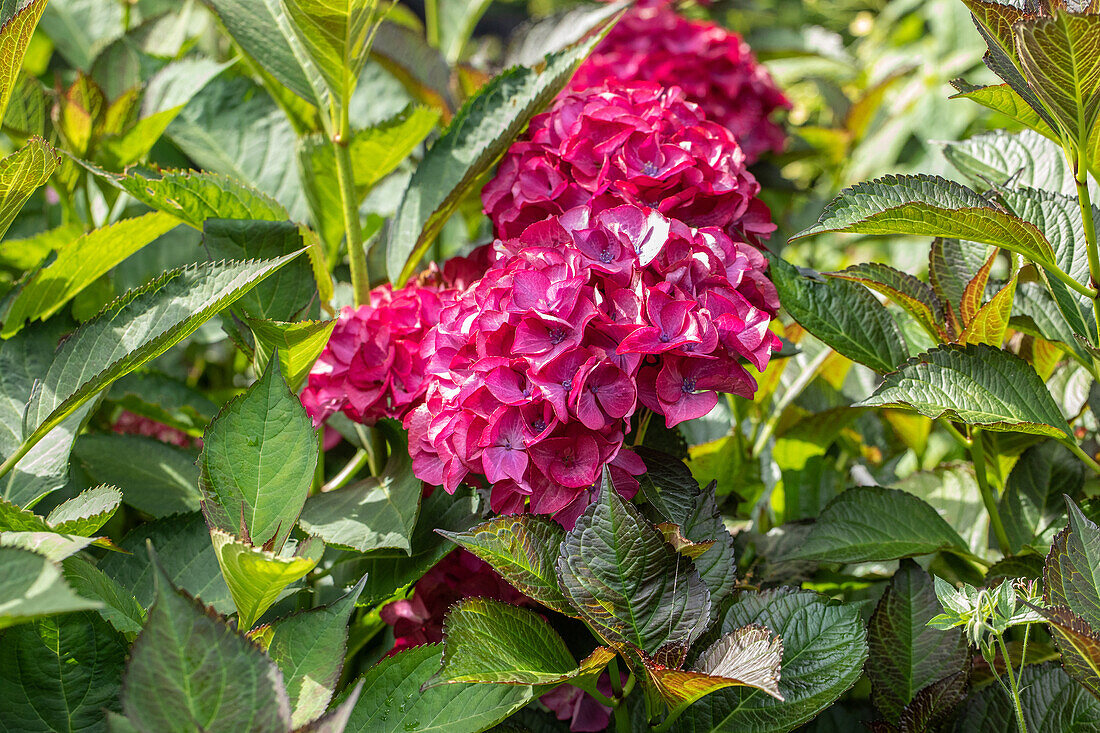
x=977, y=455
x=353, y=231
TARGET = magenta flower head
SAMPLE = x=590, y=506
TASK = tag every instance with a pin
x=714, y=67
x=534, y=372
x=637, y=143
x=371, y=367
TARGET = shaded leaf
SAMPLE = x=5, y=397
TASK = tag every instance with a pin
x=628, y=584
x=915, y=296
x=907, y=655
x=1079, y=645
x=189, y=670
x=119, y=608
x=1071, y=574
x=523, y=549
x=164, y=482
x=851, y=528
x=1052, y=701
x=309, y=649
x=1012, y=160
x=1031, y=505
x=975, y=384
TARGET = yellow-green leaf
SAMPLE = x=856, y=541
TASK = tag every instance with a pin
x=21, y=173
x=14, y=37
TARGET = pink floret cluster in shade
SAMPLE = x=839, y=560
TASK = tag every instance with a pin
x=637, y=143
x=535, y=371
x=129, y=423
x=372, y=367
x=714, y=67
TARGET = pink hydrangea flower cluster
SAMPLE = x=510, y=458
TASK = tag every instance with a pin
x=372, y=367
x=535, y=371
x=129, y=423
x=715, y=68
x=419, y=619
x=636, y=143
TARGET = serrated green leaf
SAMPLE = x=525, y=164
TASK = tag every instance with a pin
x=1009, y=160
x=1079, y=645
x=523, y=549
x=951, y=265
x=285, y=295
x=298, y=345
x=952, y=490
x=60, y=674
x=843, y=315
x=915, y=296
x=189, y=670
x=21, y=173
x=234, y=129
x=628, y=584
x=15, y=35
x=824, y=647
x=745, y=657
x=376, y=513
x=478, y=135
x=79, y=264
x=194, y=196
x=45, y=467
x=851, y=528
x=309, y=649
x=1031, y=505
x=1058, y=55
x=31, y=586
x=257, y=463
x=336, y=34
x=119, y=608
x=256, y=578
x=86, y=512
x=931, y=206
x=906, y=655
x=164, y=482
x=489, y=641
x=52, y=545
x=264, y=31
x=1071, y=574
x=975, y=384
x=136, y=328
x=391, y=700
x=1004, y=99
x=1055, y=703
x=15, y=519
x=185, y=554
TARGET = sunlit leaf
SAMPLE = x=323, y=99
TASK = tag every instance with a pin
x=21, y=173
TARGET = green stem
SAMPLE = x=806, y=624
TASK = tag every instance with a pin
x=808, y=373
x=431, y=21
x=357, y=257
x=1085, y=457
x=1012, y=684
x=1084, y=200
x=1065, y=277
x=959, y=437
x=14, y=458
x=977, y=455
x=352, y=467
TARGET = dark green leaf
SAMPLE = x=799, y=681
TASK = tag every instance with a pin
x=1079, y=645
x=60, y=674
x=1071, y=576
x=257, y=463
x=120, y=608
x=186, y=555
x=628, y=584
x=523, y=549
x=932, y=206
x=951, y=265
x=824, y=647
x=915, y=296
x=851, y=528
x=165, y=481
x=309, y=649
x=391, y=700
x=975, y=384
x=284, y=295
x=479, y=133
x=137, y=327
x=1051, y=701
x=907, y=655
x=1031, y=505
x=189, y=670
x=843, y=315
